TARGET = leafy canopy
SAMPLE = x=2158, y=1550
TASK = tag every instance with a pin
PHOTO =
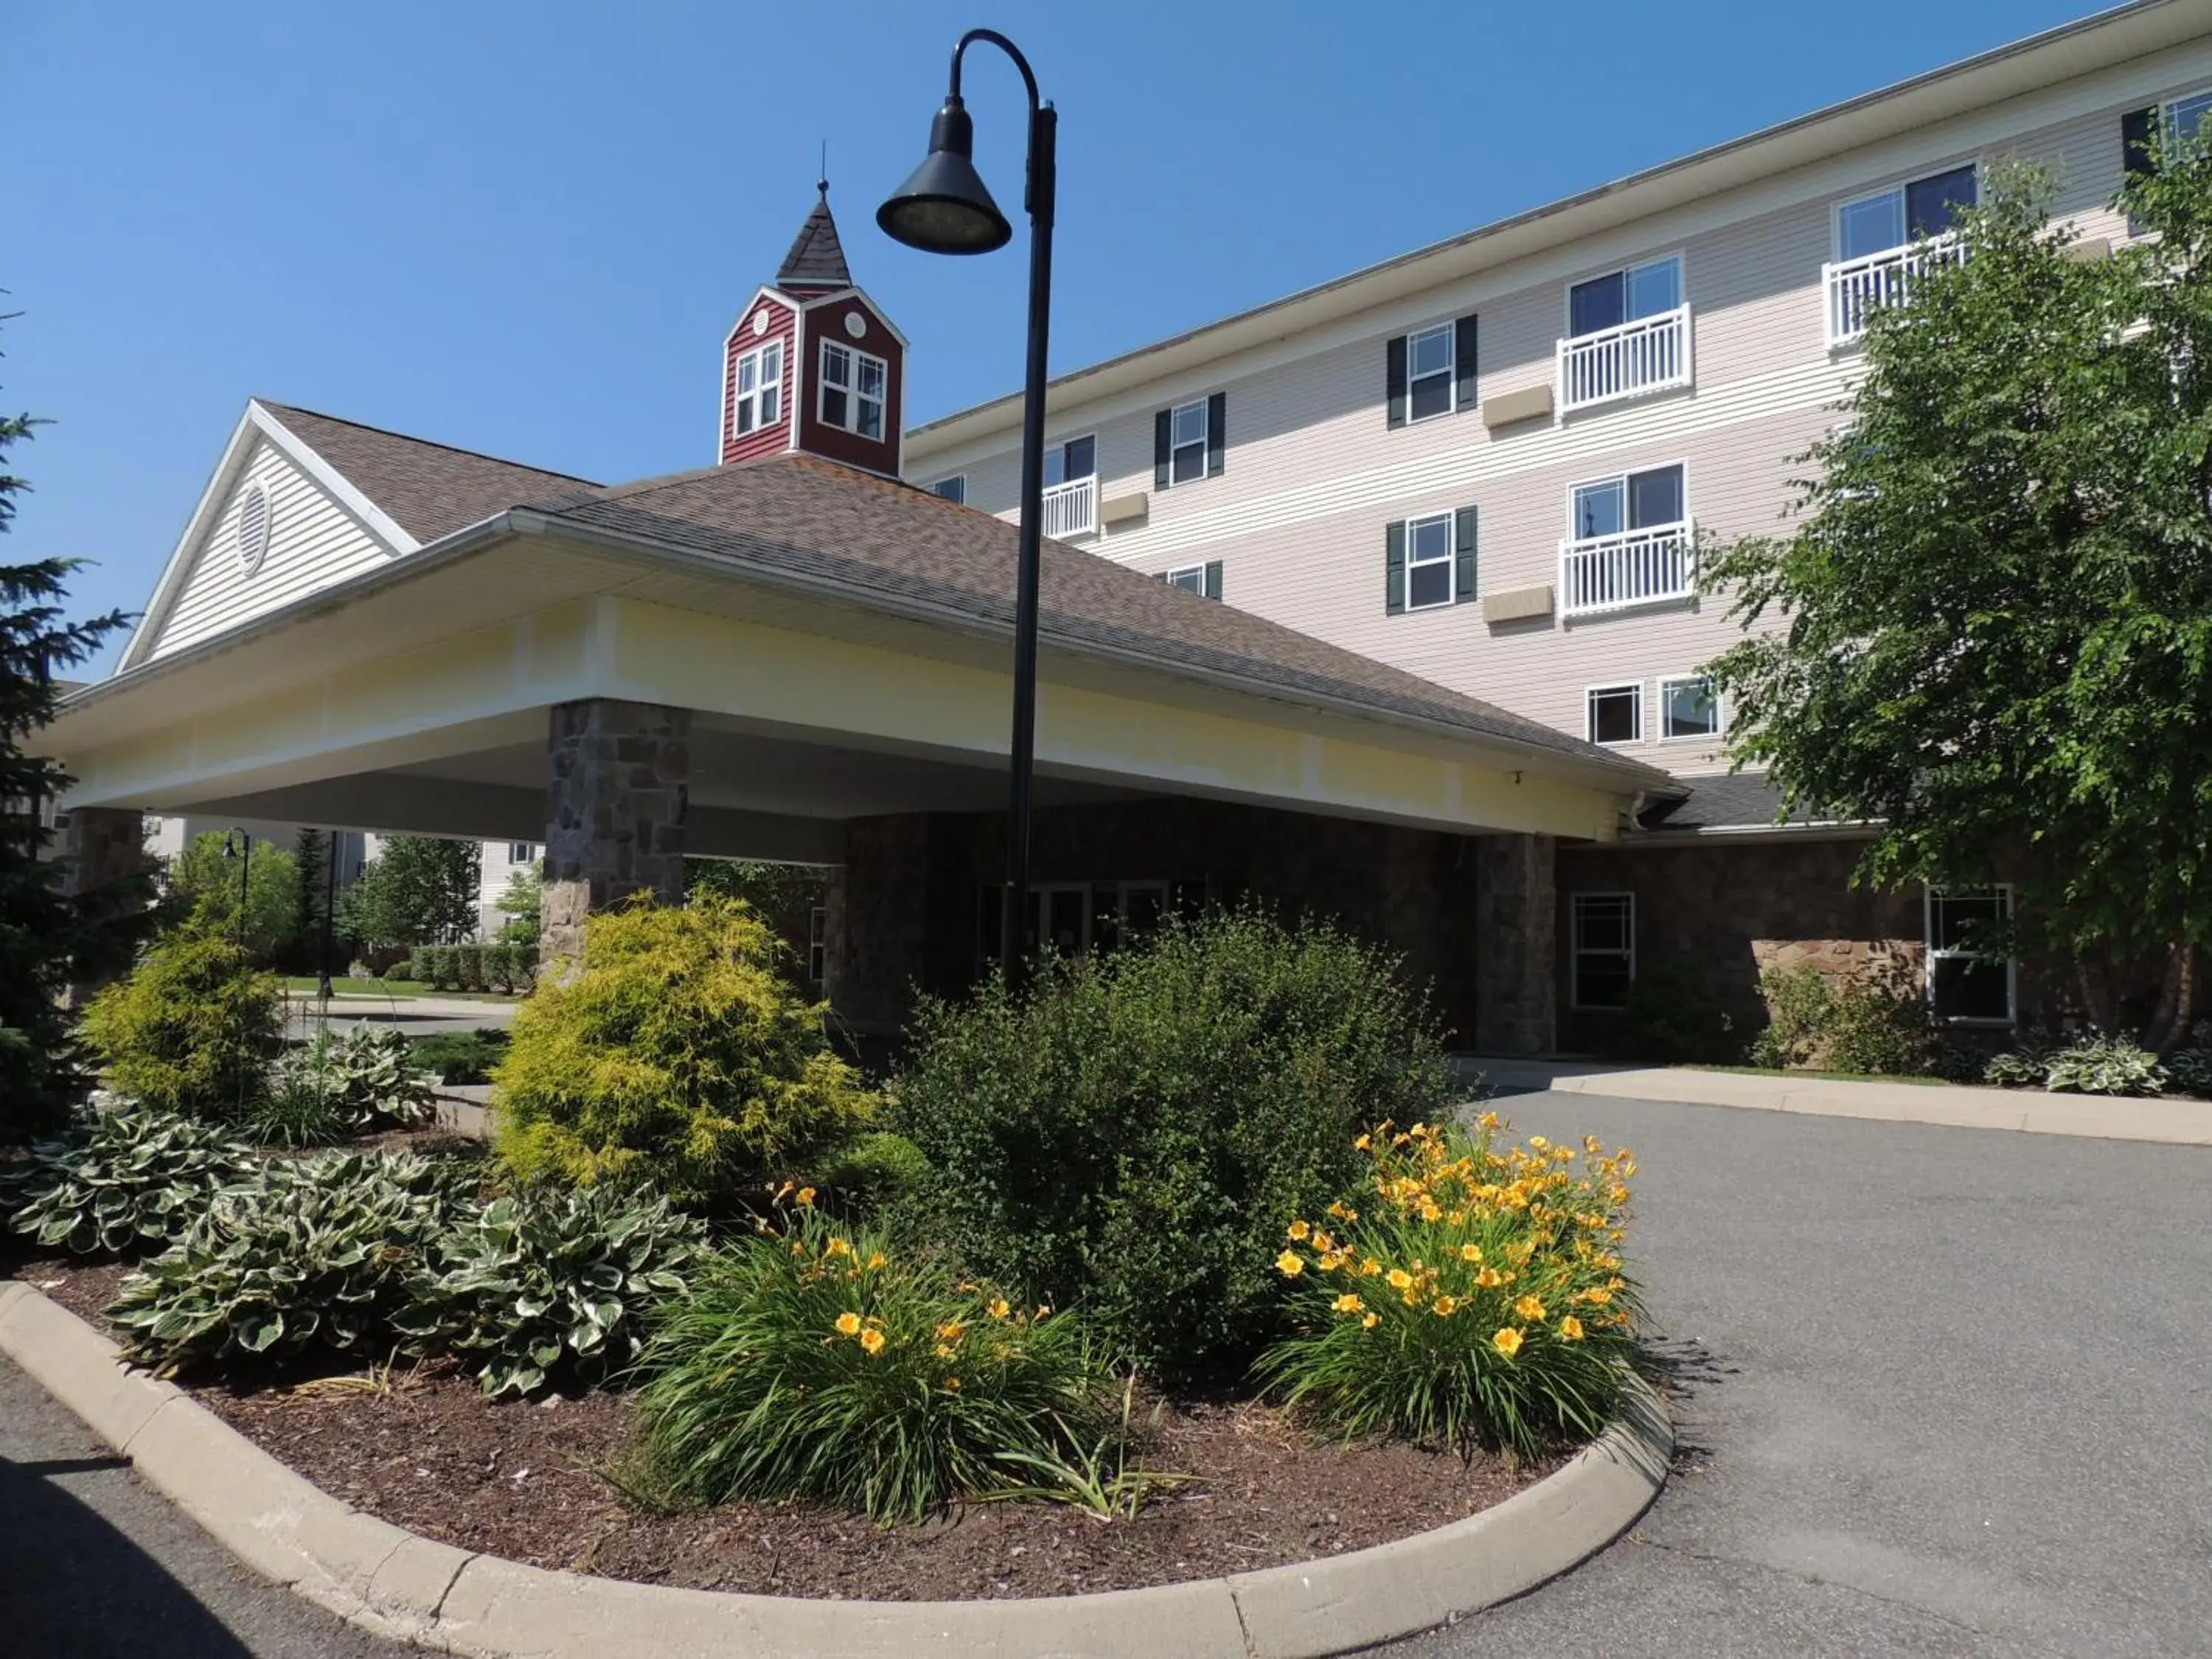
x=1995, y=611
x=419, y=890
x=213, y=871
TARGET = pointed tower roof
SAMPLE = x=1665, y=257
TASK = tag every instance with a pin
x=816, y=259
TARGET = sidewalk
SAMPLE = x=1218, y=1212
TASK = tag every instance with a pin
x=2176, y=1123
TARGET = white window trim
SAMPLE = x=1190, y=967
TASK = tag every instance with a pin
x=1896, y=187
x=1720, y=710
x=936, y=488
x=1574, y=952
x=1205, y=439
x=758, y=358
x=818, y=943
x=1930, y=955
x=1449, y=330
x=1182, y=571
x=853, y=397
x=1567, y=291
x=1589, y=725
x=1450, y=560
x=1622, y=479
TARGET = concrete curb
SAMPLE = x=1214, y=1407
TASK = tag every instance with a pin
x=1959, y=1106
x=397, y=1584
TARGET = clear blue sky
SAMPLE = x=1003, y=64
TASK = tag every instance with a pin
x=524, y=227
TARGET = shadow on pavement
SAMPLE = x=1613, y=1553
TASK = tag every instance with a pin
x=70, y=1584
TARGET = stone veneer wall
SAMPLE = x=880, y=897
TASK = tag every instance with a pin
x=906, y=914
x=1728, y=912
x=617, y=784
x=1517, y=964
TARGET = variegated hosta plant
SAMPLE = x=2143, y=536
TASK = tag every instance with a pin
x=550, y=1279
x=123, y=1181
x=317, y=1252
x=368, y=1076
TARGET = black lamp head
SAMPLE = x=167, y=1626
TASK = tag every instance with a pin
x=944, y=206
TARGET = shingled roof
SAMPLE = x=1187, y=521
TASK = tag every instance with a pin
x=430, y=489
x=805, y=516
x=817, y=259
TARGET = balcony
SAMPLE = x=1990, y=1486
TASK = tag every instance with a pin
x=1071, y=508
x=1856, y=288
x=1652, y=354
x=1637, y=567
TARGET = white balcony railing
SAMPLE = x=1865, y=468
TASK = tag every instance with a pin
x=1071, y=508
x=1856, y=288
x=1652, y=354
x=1638, y=567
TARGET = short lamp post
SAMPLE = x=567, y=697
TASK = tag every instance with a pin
x=233, y=843
x=944, y=208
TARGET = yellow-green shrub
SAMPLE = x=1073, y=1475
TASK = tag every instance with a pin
x=1470, y=1296
x=192, y=1030
x=676, y=1054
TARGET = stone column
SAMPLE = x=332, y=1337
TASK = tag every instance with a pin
x=1515, y=944
x=618, y=782
x=105, y=847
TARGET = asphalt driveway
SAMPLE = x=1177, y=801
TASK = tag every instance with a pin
x=1947, y=1391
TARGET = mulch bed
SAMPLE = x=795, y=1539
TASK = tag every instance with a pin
x=529, y=1481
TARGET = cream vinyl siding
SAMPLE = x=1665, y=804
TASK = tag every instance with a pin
x=313, y=542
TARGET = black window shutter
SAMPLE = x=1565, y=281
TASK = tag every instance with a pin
x=1213, y=578
x=1394, y=378
x=1162, y=445
x=2135, y=156
x=1463, y=564
x=1464, y=363
x=1217, y=432
x=1394, y=567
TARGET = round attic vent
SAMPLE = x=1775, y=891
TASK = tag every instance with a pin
x=252, y=528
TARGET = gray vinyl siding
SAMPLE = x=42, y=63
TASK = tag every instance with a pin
x=1314, y=471
x=312, y=544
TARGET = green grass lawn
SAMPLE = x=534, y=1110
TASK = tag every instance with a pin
x=385, y=987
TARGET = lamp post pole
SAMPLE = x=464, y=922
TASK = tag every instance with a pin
x=244, y=876
x=944, y=208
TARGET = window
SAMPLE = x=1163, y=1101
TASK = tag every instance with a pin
x=1640, y=500
x=1203, y=579
x=1623, y=296
x=1688, y=708
x=818, y=943
x=1077, y=458
x=1187, y=443
x=954, y=489
x=1970, y=982
x=521, y=852
x=759, y=389
x=1604, y=925
x=1616, y=713
x=1428, y=562
x=1431, y=370
x=852, y=390
x=1904, y=214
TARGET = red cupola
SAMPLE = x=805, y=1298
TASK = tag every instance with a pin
x=812, y=364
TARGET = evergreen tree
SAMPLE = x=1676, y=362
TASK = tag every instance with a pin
x=48, y=938
x=311, y=852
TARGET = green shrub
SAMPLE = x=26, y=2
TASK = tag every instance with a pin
x=676, y=1055
x=1471, y=1297
x=313, y=1253
x=1876, y=1022
x=881, y=1175
x=454, y=1057
x=825, y=1366
x=125, y=1180
x=192, y=1028
x=1672, y=1016
x=2191, y=1071
x=436, y=966
x=469, y=966
x=1135, y=1134
x=366, y=1079
x=548, y=1280
x=2098, y=1065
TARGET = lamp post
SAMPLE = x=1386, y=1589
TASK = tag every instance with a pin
x=944, y=208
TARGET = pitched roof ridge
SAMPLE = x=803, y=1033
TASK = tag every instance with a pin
x=281, y=410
